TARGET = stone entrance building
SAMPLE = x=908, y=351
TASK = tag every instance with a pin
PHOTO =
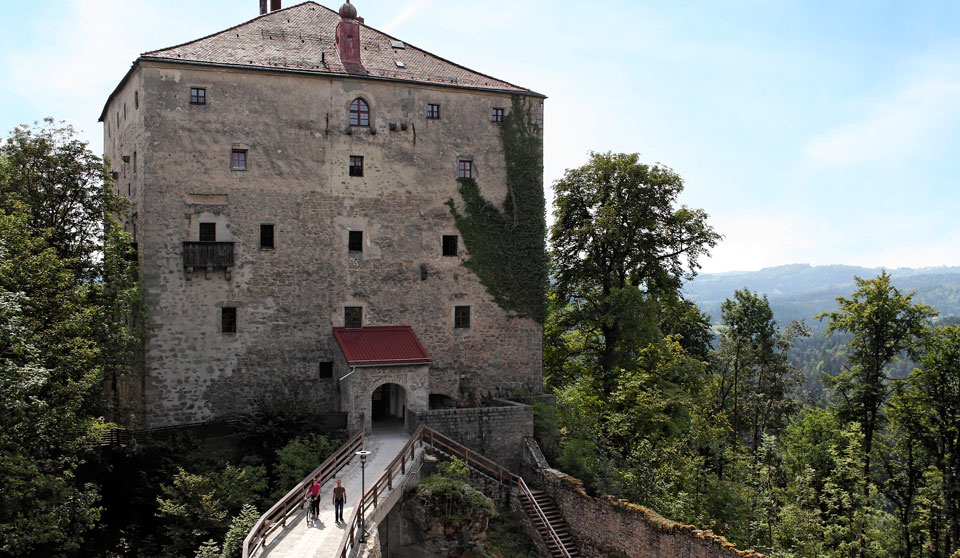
x=288, y=180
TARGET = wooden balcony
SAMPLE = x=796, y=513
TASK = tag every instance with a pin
x=201, y=255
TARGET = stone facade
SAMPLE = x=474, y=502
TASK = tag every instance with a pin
x=173, y=159
x=497, y=432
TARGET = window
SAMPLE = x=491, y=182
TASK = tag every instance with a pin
x=356, y=165
x=118, y=119
x=433, y=111
x=465, y=169
x=129, y=189
x=124, y=111
x=198, y=96
x=266, y=236
x=326, y=370
x=136, y=99
x=497, y=115
x=461, y=317
x=359, y=113
x=238, y=159
x=134, y=162
x=355, y=241
x=450, y=245
x=208, y=232
x=228, y=319
x=353, y=316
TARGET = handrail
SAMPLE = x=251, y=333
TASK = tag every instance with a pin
x=370, y=498
x=277, y=515
x=479, y=462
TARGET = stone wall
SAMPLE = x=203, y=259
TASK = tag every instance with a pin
x=604, y=527
x=495, y=432
x=288, y=297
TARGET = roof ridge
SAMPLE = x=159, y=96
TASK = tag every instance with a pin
x=214, y=34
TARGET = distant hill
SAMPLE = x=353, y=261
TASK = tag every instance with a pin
x=801, y=291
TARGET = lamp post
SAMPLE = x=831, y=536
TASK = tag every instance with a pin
x=363, y=491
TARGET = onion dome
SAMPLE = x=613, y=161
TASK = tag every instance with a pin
x=347, y=11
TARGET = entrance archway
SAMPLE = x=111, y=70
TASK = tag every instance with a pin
x=388, y=406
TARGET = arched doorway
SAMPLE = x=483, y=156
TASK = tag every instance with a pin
x=388, y=406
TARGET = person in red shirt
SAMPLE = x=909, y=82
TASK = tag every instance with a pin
x=313, y=493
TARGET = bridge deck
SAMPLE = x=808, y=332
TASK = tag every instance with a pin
x=321, y=539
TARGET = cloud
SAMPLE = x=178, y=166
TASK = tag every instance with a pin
x=908, y=124
x=411, y=9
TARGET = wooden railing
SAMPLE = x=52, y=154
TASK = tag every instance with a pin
x=208, y=254
x=494, y=469
x=426, y=435
x=277, y=515
x=396, y=470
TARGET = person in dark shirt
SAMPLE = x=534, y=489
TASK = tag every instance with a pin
x=339, y=497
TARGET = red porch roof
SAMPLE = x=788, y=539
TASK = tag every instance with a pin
x=380, y=346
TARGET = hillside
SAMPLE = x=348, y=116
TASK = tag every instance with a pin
x=801, y=291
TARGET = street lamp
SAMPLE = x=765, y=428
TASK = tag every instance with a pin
x=363, y=491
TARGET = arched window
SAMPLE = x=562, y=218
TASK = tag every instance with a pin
x=359, y=113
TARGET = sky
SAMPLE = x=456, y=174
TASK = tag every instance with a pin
x=810, y=132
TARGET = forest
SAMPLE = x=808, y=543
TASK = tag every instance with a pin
x=711, y=424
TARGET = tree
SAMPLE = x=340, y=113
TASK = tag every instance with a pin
x=59, y=183
x=884, y=323
x=936, y=391
x=618, y=240
x=756, y=382
x=65, y=288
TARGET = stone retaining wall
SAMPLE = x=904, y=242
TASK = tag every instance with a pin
x=495, y=432
x=605, y=527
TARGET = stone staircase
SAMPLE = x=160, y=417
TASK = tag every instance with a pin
x=556, y=521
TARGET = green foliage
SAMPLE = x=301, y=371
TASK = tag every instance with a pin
x=240, y=526
x=452, y=499
x=620, y=243
x=62, y=304
x=455, y=468
x=298, y=458
x=507, y=248
x=884, y=323
x=195, y=507
x=507, y=538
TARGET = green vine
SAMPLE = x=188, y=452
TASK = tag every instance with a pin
x=507, y=249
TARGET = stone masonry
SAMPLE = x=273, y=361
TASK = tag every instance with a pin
x=174, y=159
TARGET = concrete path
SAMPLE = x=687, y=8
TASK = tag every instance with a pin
x=321, y=538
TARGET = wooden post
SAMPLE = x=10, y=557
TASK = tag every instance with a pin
x=403, y=464
x=390, y=479
x=375, y=493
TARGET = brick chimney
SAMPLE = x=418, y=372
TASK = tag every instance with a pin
x=274, y=6
x=348, y=39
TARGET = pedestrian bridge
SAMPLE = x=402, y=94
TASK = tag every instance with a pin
x=282, y=532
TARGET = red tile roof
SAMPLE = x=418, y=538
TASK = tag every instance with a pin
x=301, y=38
x=380, y=346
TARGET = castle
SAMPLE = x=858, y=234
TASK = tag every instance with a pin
x=289, y=181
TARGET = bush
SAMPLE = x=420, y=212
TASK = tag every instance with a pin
x=298, y=459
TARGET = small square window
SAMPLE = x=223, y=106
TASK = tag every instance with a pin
x=450, y=245
x=353, y=316
x=238, y=159
x=465, y=169
x=433, y=111
x=136, y=99
x=326, y=370
x=198, y=96
x=208, y=232
x=266, y=236
x=355, y=241
x=497, y=115
x=461, y=317
x=356, y=165
x=228, y=319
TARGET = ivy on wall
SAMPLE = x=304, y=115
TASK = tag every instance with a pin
x=507, y=248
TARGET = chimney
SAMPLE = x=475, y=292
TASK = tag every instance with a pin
x=263, y=7
x=348, y=38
